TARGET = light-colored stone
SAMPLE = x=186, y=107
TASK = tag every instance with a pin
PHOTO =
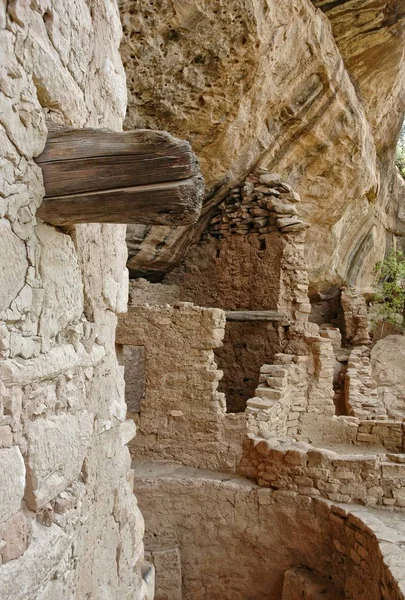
x=318, y=96
x=16, y=536
x=56, y=449
x=59, y=292
x=12, y=482
x=13, y=264
x=60, y=273
x=49, y=365
x=24, y=578
x=143, y=292
x=387, y=362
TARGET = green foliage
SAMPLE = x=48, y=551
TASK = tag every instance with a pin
x=391, y=286
x=400, y=153
x=400, y=160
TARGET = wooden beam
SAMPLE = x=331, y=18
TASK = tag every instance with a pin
x=172, y=203
x=141, y=176
x=254, y=315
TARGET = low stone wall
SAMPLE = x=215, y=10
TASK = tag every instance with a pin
x=225, y=537
x=387, y=434
x=367, y=479
x=387, y=364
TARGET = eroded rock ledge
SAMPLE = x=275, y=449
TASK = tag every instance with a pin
x=313, y=91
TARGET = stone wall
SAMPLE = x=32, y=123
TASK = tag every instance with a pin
x=387, y=369
x=193, y=516
x=182, y=415
x=295, y=393
x=366, y=478
x=360, y=388
x=356, y=321
x=251, y=256
x=69, y=523
x=182, y=412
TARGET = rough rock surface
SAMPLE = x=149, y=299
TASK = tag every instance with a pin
x=387, y=361
x=314, y=91
x=195, y=514
x=63, y=436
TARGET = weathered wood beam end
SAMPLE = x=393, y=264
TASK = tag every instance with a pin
x=255, y=315
x=99, y=176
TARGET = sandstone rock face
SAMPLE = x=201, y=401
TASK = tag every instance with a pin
x=307, y=89
x=387, y=361
x=63, y=438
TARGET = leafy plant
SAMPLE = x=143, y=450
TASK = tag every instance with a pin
x=400, y=160
x=391, y=286
x=400, y=153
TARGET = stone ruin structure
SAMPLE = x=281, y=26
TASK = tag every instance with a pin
x=223, y=426
x=315, y=440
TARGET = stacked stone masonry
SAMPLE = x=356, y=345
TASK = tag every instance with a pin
x=69, y=523
x=248, y=268
x=247, y=260
x=191, y=515
x=182, y=416
x=262, y=204
x=294, y=397
x=296, y=390
x=367, y=479
x=361, y=394
x=355, y=317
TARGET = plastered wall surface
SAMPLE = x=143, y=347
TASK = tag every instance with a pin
x=69, y=524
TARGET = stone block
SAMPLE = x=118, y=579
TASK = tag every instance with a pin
x=16, y=535
x=61, y=276
x=296, y=457
x=23, y=578
x=12, y=482
x=268, y=393
x=13, y=264
x=276, y=381
x=274, y=370
x=168, y=582
x=393, y=471
x=56, y=450
x=6, y=436
x=47, y=366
